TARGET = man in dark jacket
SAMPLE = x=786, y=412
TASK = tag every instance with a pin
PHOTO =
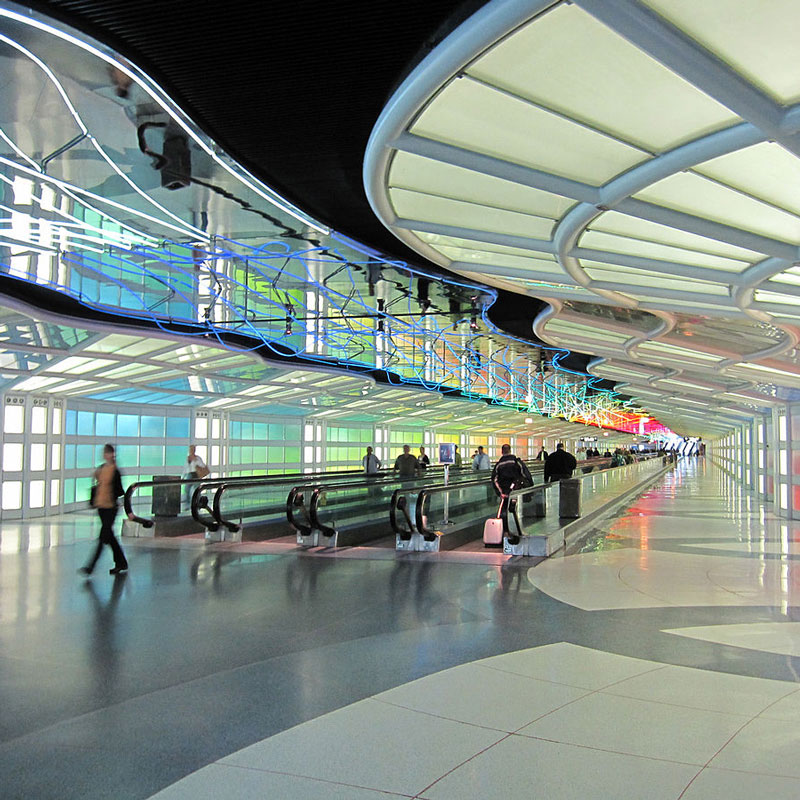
x=559, y=464
x=509, y=473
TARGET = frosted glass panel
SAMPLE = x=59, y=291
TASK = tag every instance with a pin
x=55, y=487
x=12, y=495
x=105, y=425
x=12, y=458
x=55, y=457
x=36, y=496
x=57, y=419
x=38, y=458
x=177, y=427
x=39, y=419
x=14, y=419
x=215, y=429
x=128, y=425
x=201, y=428
x=782, y=427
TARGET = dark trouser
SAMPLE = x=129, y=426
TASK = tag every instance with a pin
x=107, y=517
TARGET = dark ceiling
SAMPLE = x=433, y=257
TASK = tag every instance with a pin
x=291, y=90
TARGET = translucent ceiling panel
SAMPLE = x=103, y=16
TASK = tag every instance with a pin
x=478, y=257
x=442, y=210
x=113, y=343
x=437, y=239
x=476, y=117
x=544, y=289
x=706, y=198
x=409, y=171
x=658, y=348
x=765, y=170
x=626, y=225
x=610, y=243
x=568, y=61
x=641, y=281
x=559, y=328
x=758, y=38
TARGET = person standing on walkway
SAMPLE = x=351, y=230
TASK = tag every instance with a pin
x=406, y=464
x=458, y=462
x=480, y=461
x=509, y=473
x=371, y=463
x=194, y=470
x=559, y=464
x=107, y=488
x=422, y=460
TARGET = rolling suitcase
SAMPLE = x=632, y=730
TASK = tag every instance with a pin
x=493, y=529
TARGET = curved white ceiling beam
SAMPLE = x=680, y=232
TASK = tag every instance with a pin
x=763, y=120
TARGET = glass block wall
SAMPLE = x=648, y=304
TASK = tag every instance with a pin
x=49, y=447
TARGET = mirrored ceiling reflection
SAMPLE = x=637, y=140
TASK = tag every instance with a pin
x=111, y=198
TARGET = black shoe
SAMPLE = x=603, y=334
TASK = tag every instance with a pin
x=84, y=571
x=117, y=570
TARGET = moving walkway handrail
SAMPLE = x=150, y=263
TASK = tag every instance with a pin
x=210, y=483
x=320, y=490
x=428, y=534
x=357, y=476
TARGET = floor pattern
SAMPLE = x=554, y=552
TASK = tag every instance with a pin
x=567, y=720
x=659, y=657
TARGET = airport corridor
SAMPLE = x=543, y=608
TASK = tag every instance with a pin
x=657, y=659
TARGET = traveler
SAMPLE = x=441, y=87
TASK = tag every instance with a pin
x=107, y=488
x=405, y=464
x=194, y=470
x=509, y=473
x=480, y=461
x=542, y=454
x=422, y=460
x=371, y=463
x=459, y=462
x=559, y=465
x=618, y=459
x=607, y=454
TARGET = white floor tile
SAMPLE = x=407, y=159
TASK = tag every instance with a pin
x=764, y=745
x=370, y=744
x=570, y=664
x=720, y=784
x=527, y=768
x=697, y=688
x=787, y=708
x=638, y=727
x=631, y=578
x=771, y=637
x=482, y=696
x=220, y=782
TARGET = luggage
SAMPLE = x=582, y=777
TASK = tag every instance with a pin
x=493, y=532
x=493, y=528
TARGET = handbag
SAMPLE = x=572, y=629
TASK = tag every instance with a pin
x=202, y=472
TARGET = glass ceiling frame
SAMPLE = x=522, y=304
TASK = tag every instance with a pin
x=754, y=290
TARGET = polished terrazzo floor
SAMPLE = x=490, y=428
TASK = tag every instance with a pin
x=658, y=660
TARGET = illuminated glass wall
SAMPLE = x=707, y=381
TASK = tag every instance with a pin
x=49, y=446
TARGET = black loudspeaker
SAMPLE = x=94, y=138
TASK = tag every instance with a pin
x=177, y=172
